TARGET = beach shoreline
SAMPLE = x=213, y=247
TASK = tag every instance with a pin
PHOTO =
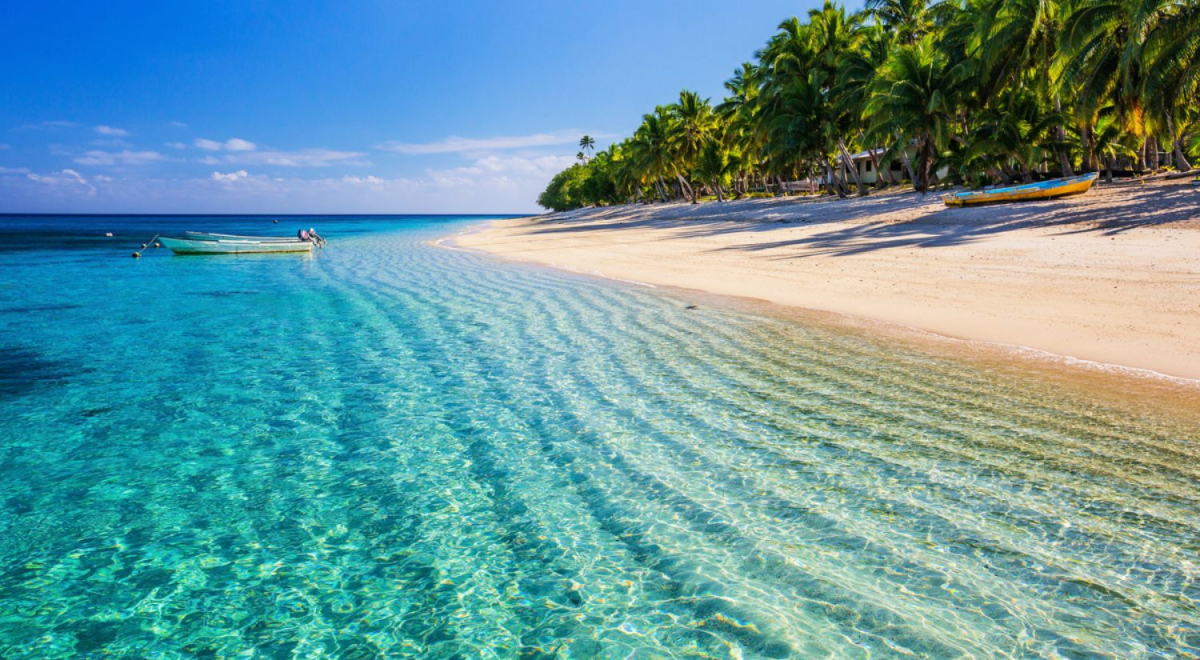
x=1109, y=280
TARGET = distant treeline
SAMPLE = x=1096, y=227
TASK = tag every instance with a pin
x=958, y=91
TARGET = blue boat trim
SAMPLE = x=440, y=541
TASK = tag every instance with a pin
x=1048, y=184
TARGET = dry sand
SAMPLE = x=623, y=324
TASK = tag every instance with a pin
x=1112, y=276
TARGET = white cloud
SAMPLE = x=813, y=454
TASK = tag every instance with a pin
x=110, y=142
x=123, y=157
x=44, y=125
x=536, y=166
x=455, y=144
x=232, y=144
x=178, y=124
x=297, y=158
x=64, y=177
x=14, y=170
x=175, y=145
x=309, y=157
x=109, y=130
x=507, y=183
x=231, y=177
x=244, y=152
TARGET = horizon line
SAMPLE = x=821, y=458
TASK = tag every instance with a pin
x=6, y=214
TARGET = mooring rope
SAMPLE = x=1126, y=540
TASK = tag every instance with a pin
x=148, y=243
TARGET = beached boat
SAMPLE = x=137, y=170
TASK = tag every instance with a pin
x=198, y=245
x=1073, y=185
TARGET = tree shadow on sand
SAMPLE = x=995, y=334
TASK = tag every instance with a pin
x=1108, y=211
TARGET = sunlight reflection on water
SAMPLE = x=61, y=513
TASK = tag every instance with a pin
x=392, y=449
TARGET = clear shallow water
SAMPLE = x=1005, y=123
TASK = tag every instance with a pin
x=390, y=449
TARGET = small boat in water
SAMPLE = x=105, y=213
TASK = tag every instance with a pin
x=200, y=242
x=1073, y=185
x=206, y=236
x=197, y=245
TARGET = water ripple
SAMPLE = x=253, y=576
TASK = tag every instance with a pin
x=392, y=449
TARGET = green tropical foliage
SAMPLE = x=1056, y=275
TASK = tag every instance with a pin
x=920, y=93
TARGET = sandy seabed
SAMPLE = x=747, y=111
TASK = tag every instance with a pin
x=1110, y=277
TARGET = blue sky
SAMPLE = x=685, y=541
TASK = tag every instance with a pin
x=366, y=106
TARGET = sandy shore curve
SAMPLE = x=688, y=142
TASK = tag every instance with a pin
x=1112, y=276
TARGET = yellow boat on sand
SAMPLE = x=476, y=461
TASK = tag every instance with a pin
x=1072, y=185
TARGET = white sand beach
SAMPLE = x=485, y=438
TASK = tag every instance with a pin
x=1112, y=276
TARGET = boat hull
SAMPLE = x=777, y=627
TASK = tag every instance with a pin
x=1076, y=185
x=207, y=236
x=194, y=246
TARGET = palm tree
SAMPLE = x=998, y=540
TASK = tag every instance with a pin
x=1017, y=49
x=834, y=38
x=983, y=89
x=855, y=73
x=1110, y=142
x=715, y=165
x=737, y=115
x=906, y=20
x=1018, y=134
x=789, y=107
x=742, y=87
x=912, y=98
x=628, y=181
x=1172, y=65
x=793, y=130
x=692, y=128
x=1103, y=58
x=651, y=152
x=586, y=144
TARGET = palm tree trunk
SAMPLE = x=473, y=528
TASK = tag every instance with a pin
x=1064, y=160
x=685, y=188
x=835, y=181
x=1181, y=161
x=922, y=178
x=661, y=186
x=912, y=176
x=882, y=179
x=1085, y=143
x=1026, y=173
x=849, y=161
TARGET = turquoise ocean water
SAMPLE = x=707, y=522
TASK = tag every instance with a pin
x=390, y=449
